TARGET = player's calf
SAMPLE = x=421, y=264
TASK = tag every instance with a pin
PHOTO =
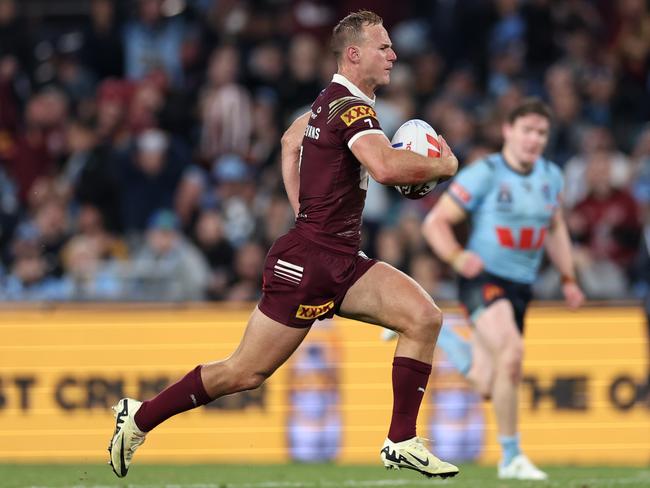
x=482, y=382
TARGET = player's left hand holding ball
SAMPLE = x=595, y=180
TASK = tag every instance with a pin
x=418, y=136
x=446, y=152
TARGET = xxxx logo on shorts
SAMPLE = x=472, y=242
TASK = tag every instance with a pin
x=490, y=292
x=357, y=112
x=313, y=311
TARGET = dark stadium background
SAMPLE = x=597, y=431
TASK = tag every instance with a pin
x=139, y=175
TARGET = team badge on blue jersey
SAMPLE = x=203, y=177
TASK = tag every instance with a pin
x=505, y=195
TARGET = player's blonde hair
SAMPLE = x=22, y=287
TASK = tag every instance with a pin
x=349, y=30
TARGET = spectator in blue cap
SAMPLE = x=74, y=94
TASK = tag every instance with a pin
x=230, y=168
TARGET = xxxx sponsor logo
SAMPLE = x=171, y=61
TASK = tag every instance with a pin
x=490, y=292
x=357, y=112
x=313, y=311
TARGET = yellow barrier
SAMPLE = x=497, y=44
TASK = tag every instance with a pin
x=580, y=369
x=61, y=369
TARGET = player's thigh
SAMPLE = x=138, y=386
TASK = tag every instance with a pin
x=266, y=345
x=496, y=328
x=385, y=296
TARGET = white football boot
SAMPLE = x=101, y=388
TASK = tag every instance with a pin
x=127, y=437
x=413, y=454
x=521, y=468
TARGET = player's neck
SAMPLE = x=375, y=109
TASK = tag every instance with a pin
x=359, y=82
x=514, y=163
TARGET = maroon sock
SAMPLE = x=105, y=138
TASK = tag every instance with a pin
x=185, y=394
x=410, y=378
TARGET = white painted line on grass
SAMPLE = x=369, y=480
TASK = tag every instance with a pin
x=642, y=480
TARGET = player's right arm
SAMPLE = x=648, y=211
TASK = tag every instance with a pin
x=464, y=196
x=291, y=143
x=390, y=166
x=437, y=229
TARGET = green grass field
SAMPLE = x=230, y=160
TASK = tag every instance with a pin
x=298, y=476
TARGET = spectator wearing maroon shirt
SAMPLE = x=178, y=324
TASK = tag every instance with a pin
x=30, y=156
x=316, y=269
x=607, y=226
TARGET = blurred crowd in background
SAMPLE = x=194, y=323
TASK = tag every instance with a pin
x=139, y=140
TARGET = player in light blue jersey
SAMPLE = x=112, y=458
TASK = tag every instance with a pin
x=512, y=200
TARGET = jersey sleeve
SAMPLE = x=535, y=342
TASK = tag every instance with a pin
x=356, y=120
x=471, y=184
x=557, y=178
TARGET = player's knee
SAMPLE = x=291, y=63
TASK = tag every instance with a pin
x=424, y=322
x=252, y=381
x=513, y=370
x=242, y=380
x=512, y=360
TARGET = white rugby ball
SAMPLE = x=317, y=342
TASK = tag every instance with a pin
x=418, y=136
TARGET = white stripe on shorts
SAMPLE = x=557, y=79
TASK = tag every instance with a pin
x=287, y=271
x=287, y=277
x=290, y=265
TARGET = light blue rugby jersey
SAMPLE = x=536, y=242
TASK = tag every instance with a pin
x=510, y=213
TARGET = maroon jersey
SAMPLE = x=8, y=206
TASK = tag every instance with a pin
x=333, y=183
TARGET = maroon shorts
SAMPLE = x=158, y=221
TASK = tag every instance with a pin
x=304, y=282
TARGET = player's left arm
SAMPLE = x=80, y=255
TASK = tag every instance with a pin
x=291, y=143
x=390, y=166
x=558, y=247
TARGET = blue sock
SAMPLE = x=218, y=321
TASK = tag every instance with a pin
x=510, y=447
x=457, y=349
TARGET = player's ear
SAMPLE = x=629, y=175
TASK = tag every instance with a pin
x=353, y=53
x=506, y=129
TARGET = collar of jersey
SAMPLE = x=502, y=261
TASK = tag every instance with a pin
x=354, y=89
x=515, y=170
